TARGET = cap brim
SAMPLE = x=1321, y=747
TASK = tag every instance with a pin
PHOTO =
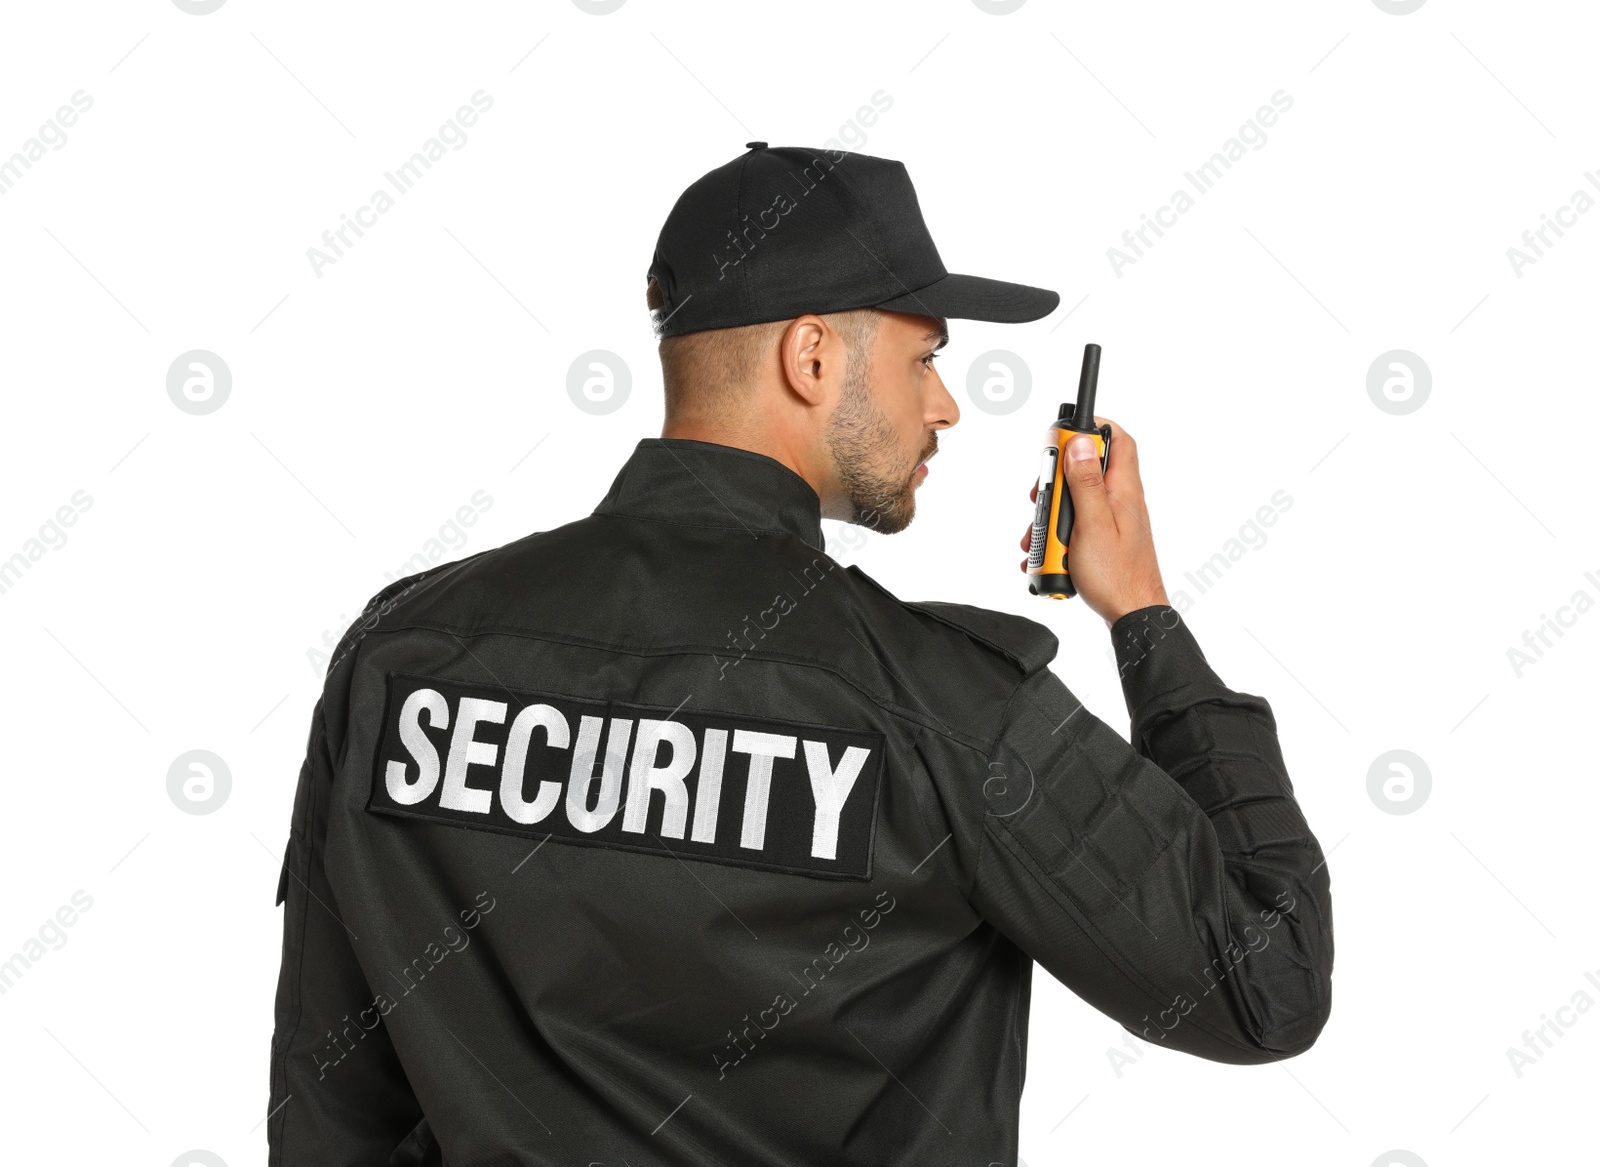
x=977, y=298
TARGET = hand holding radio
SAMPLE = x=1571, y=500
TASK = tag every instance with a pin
x=1091, y=530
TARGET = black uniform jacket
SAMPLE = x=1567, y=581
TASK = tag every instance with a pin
x=662, y=838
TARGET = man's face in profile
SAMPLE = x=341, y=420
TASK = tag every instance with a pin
x=886, y=424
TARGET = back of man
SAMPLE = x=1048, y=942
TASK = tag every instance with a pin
x=663, y=838
x=713, y=956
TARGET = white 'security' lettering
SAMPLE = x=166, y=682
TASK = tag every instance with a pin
x=454, y=752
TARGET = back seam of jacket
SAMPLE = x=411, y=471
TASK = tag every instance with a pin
x=741, y=529
x=888, y=706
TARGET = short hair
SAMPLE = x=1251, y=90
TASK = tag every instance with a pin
x=707, y=368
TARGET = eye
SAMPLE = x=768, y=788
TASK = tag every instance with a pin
x=927, y=361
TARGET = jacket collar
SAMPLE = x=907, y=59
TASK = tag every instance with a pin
x=707, y=485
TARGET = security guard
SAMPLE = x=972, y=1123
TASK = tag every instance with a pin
x=663, y=838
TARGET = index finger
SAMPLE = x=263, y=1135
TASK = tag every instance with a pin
x=1122, y=470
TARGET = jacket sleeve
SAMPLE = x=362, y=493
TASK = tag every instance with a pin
x=1174, y=885
x=338, y=1094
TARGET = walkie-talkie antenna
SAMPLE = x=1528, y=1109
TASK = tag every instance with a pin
x=1088, y=382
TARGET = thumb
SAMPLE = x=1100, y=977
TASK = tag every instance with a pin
x=1085, y=482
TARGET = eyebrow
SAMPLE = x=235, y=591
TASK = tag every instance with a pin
x=940, y=334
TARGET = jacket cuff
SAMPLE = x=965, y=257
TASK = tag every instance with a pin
x=1156, y=654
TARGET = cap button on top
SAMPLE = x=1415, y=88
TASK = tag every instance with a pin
x=755, y=145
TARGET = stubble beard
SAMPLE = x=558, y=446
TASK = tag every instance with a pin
x=882, y=496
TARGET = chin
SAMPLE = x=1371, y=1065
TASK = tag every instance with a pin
x=891, y=519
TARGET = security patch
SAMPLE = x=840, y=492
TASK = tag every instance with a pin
x=776, y=795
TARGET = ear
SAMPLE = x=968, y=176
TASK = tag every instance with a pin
x=813, y=357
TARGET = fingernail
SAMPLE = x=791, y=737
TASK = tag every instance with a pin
x=1081, y=449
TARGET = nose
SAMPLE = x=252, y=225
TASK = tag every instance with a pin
x=942, y=411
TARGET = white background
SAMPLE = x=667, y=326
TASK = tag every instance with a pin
x=371, y=401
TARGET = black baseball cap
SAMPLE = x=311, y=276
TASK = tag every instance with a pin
x=785, y=230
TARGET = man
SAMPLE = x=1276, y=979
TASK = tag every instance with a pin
x=661, y=838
